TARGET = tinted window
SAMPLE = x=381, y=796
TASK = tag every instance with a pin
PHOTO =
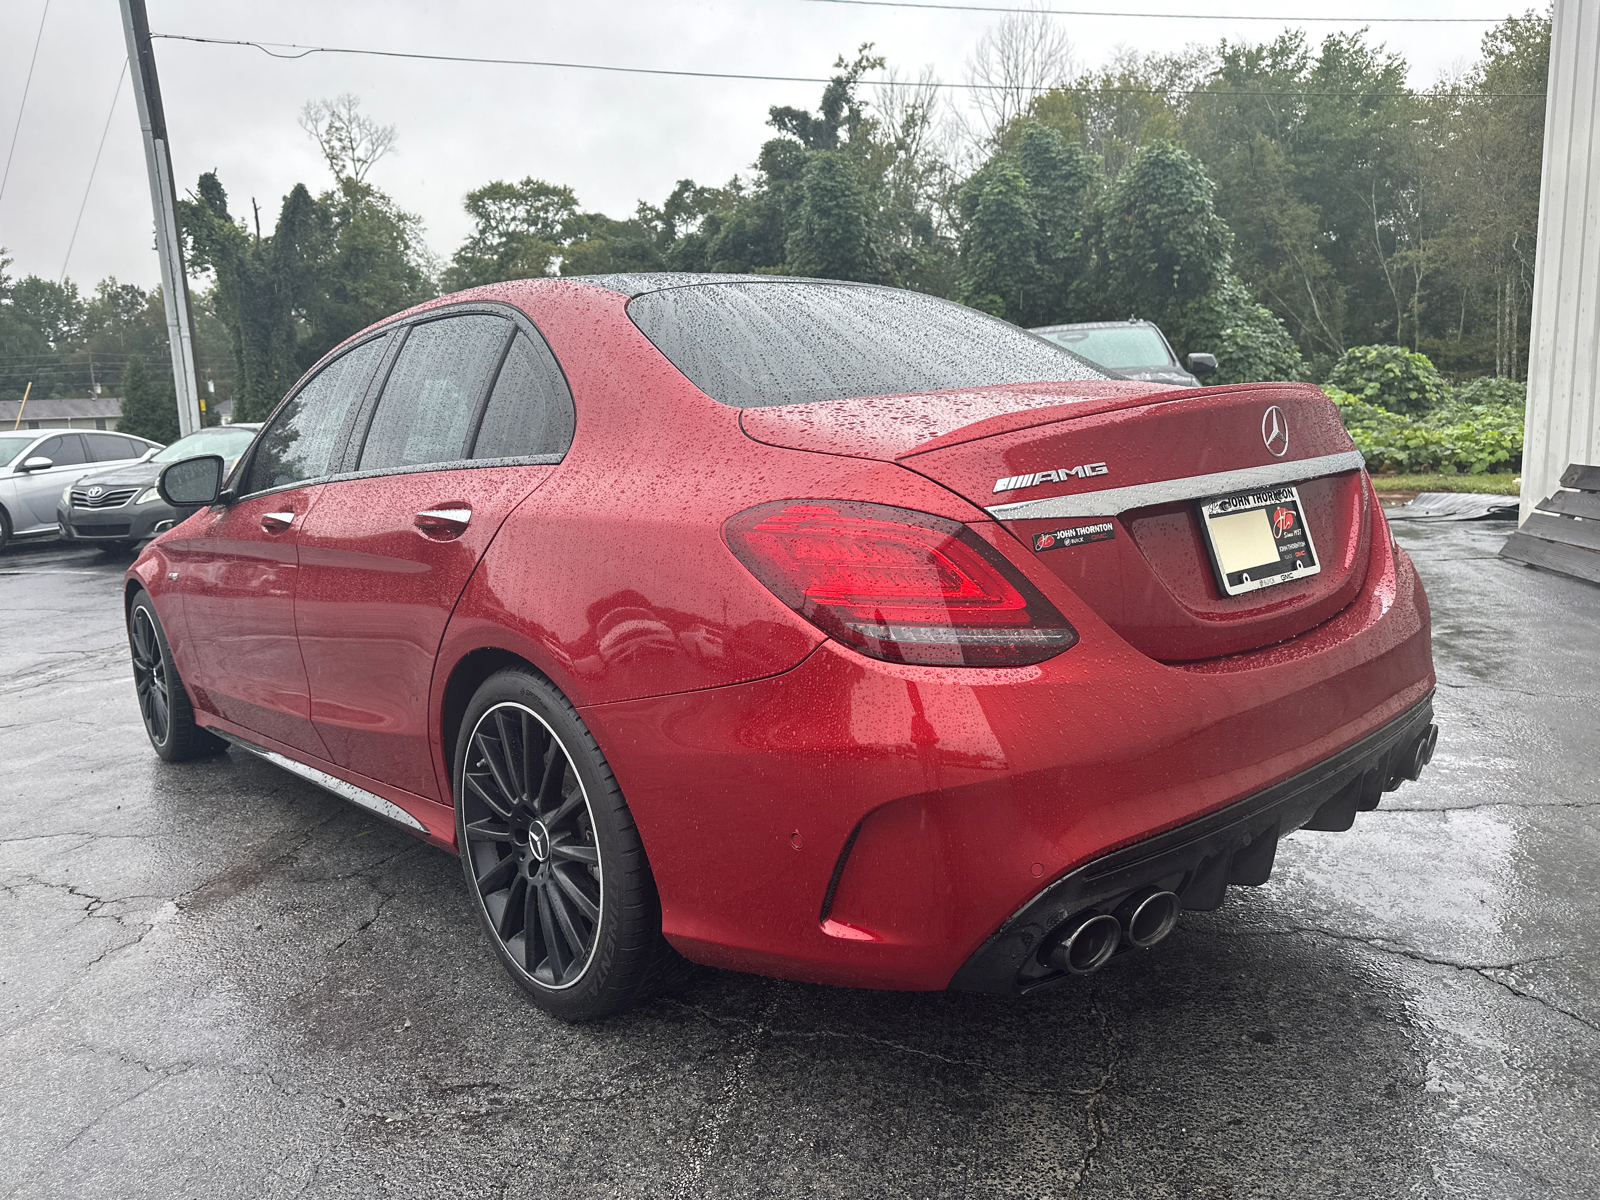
x=530, y=409
x=760, y=344
x=433, y=391
x=108, y=447
x=299, y=443
x=63, y=451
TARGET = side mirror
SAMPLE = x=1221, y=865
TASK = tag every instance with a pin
x=192, y=482
x=1201, y=365
x=37, y=463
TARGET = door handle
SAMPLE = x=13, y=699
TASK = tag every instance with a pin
x=276, y=522
x=443, y=522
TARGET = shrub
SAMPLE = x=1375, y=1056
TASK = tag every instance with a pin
x=1391, y=377
x=1456, y=437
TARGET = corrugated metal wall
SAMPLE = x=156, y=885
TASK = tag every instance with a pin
x=1564, y=358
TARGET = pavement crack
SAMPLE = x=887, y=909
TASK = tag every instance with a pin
x=1095, y=1123
x=1489, y=972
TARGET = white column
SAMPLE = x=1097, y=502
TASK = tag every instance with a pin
x=1564, y=355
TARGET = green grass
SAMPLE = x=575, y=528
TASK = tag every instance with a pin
x=1495, y=485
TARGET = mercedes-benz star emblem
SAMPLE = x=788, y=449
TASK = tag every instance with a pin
x=1275, y=431
x=539, y=841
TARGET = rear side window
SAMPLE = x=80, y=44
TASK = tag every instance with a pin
x=63, y=451
x=299, y=443
x=433, y=392
x=107, y=447
x=760, y=344
x=530, y=409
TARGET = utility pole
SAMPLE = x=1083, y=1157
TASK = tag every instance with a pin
x=164, y=202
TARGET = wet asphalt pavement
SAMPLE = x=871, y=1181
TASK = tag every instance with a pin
x=216, y=980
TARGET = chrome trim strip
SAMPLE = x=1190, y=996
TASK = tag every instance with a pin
x=345, y=791
x=1108, y=502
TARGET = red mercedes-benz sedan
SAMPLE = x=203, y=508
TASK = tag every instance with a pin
x=809, y=628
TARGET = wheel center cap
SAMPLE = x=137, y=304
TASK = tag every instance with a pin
x=539, y=841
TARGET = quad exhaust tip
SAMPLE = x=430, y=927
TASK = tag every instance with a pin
x=1148, y=916
x=1086, y=943
x=1422, y=753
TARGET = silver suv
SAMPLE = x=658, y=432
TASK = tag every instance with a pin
x=1133, y=349
x=36, y=464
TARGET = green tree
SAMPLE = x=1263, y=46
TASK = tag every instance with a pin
x=1164, y=244
x=149, y=409
x=519, y=230
x=999, y=251
x=830, y=232
x=263, y=286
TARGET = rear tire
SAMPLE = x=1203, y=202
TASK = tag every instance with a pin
x=163, y=702
x=5, y=530
x=551, y=856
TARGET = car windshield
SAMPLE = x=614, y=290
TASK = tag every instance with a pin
x=1120, y=348
x=229, y=443
x=13, y=445
x=763, y=344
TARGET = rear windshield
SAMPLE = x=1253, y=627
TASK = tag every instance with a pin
x=760, y=344
x=1119, y=348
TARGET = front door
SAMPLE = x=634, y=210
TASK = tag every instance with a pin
x=38, y=492
x=385, y=557
x=237, y=570
x=238, y=564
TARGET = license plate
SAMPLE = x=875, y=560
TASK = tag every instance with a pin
x=1258, y=539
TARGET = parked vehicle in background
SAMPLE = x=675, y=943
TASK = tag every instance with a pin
x=36, y=464
x=1133, y=349
x=121, y=507
x=811, y=628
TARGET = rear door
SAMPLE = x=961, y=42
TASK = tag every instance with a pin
x=237, y=564
x=472, y=417
x=38, y=491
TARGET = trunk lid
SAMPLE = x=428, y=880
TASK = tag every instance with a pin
x=1123, y=467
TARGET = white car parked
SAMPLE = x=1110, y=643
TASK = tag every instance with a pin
x=35, y=464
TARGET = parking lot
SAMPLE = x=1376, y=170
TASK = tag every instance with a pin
x=217, y=980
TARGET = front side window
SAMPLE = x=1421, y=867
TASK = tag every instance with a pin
x=530, y=410
x=757, y=344
x=433, y=391
x=11, y=447
x=299, y=443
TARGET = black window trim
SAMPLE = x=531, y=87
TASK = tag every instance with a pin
x=521, y=323
x=352, y=460
x=363, y=411
x=241, y=469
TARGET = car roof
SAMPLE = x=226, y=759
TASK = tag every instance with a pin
x=637, y=283
x=1131, y=322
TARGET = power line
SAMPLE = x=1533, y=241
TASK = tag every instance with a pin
x=38, y=37
x=73, y=241
x=1163, y=16
x=301, y=51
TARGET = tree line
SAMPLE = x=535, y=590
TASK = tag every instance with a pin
x=1277, y=203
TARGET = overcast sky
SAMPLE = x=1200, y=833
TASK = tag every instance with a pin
x=615, y=139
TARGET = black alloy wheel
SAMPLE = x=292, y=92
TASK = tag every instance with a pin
x=551, y=855
x=163, y=702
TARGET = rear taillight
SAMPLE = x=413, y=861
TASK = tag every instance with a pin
x=898, y=585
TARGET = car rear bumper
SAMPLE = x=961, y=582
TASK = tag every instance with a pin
x=1199, y=860
x=871, y=824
